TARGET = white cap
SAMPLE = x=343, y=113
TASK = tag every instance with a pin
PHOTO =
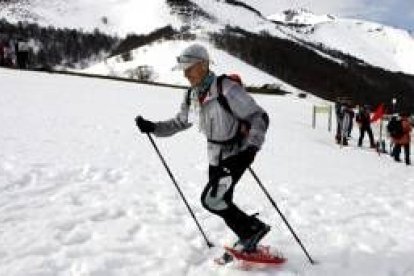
x=190, y=56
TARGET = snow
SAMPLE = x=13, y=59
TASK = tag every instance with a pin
x=378, y=45
x=82, y=192
x=161, y=57
x=236, y=16
x=375, y=44
x=127, y=16
x=231, y=15
x=301, y=16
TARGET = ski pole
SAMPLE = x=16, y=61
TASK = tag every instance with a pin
x=209, y=244
x=281, y=215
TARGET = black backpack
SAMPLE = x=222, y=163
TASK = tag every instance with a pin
x=395, y=128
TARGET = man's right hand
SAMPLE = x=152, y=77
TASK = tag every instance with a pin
x=144, y=126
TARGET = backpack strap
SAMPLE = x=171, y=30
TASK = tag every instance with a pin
x=225, y=105
x=221, y=98
x=188, y=97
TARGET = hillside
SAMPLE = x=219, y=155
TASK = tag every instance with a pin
x=161, y=57
x=375, y=44
x=325, y=55
x=119, y=17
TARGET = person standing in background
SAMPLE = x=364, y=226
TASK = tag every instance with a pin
x=403, y=141
x=363, y=119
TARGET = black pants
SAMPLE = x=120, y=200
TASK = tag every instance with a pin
x=341, y=137
x=397, y=151
x=351, y=125
x=217, y=196
x=362, y=131
x=23, y=60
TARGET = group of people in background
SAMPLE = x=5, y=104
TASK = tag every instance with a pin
x=399, y=129
x=14, y=53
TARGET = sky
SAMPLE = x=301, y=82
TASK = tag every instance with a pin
x=396, y=13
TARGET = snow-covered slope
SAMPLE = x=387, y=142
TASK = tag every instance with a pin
x=130, y=16
x=122, y=17
x=373, y=43
x=161, y=56
x=301, y=16
x=236, y=16
x=376, y=44
x=82, y=192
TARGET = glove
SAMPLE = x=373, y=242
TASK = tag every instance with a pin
x=235, y=163
x=144, y=126
x=249, y=154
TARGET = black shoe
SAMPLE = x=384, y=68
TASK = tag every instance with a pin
x=250, y=244
x=397, y=159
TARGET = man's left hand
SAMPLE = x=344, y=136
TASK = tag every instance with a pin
x=249, y=154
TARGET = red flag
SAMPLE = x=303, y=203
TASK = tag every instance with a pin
x=378, y=113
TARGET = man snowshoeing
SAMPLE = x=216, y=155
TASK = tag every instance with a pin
x=234, y=125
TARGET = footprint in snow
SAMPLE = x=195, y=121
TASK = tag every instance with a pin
x=105, y=215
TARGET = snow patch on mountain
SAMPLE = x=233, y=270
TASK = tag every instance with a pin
x=301, y=17
x=115, y=17
x=161, y=57
x=376, y=44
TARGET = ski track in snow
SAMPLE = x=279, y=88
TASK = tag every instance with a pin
x=83, y=193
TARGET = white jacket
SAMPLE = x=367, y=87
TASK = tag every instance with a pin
x=220, y=125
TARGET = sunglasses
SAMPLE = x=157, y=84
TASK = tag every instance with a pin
x=188, y=59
